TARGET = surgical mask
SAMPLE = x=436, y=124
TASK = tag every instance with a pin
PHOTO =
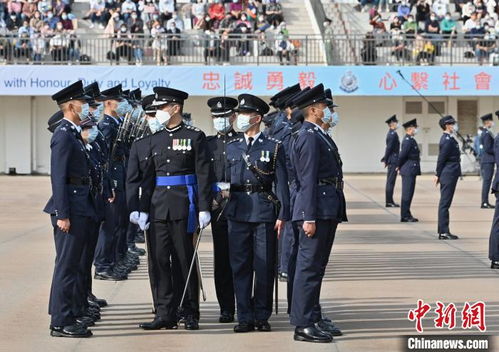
x=122, y=108
x=456, y=128
x=85, y=110
x=416, y=130
x=99, y=111
x=136, y=113
x=243, y=122
x=221, y=124
x=328, y=116
x=64, y=17
x=154, y=125
x=92, y=134
x=336, y=119
x=163, y=116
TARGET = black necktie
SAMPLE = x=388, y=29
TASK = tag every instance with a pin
x=250, y=143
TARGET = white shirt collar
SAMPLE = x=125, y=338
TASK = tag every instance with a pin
x=78, y=128
x=255, y=137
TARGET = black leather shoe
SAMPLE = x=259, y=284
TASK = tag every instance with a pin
x=158, y=324
x=494, y=264
x=93, y=305
x=108, y=276
x=101, y=302
x=487, y=206
x=85, y=321
x=139, y=238
x=191, y=323
x=328, y=327
x=95, y=316
x=244, y=327
x=137, y=251
x=409, y=219
x=262, y=325
x=283, y=277
x=312, y=334
x=392, y=205
x=74, y=330
x=447, y=236
x=226, y=317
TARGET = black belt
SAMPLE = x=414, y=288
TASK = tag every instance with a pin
x=118, y=158
x=78, y=181
x=332, y=181
x=250, y=188
x=414, y=159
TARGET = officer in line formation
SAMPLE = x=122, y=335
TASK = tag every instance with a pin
x=487, y=160
x=88, y=187
x=173, y=181
x=390, y=160
x=494, y=233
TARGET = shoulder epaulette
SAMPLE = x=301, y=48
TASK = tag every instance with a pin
x=235, y=140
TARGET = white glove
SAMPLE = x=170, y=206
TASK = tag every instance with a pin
x=142, y=221
x=204, y=219
x=134, y=217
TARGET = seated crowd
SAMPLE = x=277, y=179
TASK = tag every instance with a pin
x=417, y=31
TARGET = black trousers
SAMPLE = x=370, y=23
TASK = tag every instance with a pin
x=252, y=249
x=292, y=260
x=131, y=233
x=487, y=172
x=64, y=302
x=447, y=189
x=494, y=234
x=151, y=267
x=170, y=242
x=391, y=177
x=122, y=219
x=312, y=256
x=224, y=285
x=88, y=257
x=408, y=186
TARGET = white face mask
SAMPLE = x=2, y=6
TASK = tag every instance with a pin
x=416, y=131
x=122, y=108
x=456, y=128
x=92, y=134
x=221, y=124
x=154, y=125
x=163, y=116
x=98, y=111
x=243, y=122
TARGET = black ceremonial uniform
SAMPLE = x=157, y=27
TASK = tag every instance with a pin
x=486, y=161
x=409, y=169
x=494, y=232
x=390, y=159
x=251, y=214
x=448, y=172
x=178, y=169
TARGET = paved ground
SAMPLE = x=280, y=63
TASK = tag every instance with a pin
x=378, y=270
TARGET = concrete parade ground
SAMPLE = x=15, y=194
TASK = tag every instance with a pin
x=378, y=270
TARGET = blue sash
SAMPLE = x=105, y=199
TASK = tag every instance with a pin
x=190, y=181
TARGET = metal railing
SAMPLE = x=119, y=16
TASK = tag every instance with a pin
x=201, y=49
x=164, y=49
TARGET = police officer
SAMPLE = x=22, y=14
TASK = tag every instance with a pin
x=178, y=167
x=139, y=155
x=487, y=159
x=390, y=160
x=448, y=172
x=408, y=167
x=318, y=208
x=70, y=208
x=223, y=116
x=255, y=213
x=494, y=232
x=114, y=225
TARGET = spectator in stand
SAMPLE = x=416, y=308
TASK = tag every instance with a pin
x=149, y=10
x=29, y=9
x=15, y=7
x=127, y=7
x=97, y=13
x=236, y=8
x=432, y=30
x=368, y=52
x=410, y=27
x=273, y=11
x=440, y=8
x=403, y=10
x=38, y=45
x=468, y=11
x=67, y=24
x=59, y=44
x=24, y=29
x=74, y=48
x=123, y=48
x=399, y=48
x=135, y=24
x=470, y=25
x=179, y=23
x=243, y=20
x=173, y=39
x=198, y=12
x=204, y=23
x=159, y=43
x=114, y=24
x=166, y=9
x=59, y=8
x=485, y=47
x=262, y=24
x=376, y=21
x=3, y=8
x=423, y=50
x=284, y=47
x=383, y=4
x=44, y=6
x=211, y=46
x=216, y=13
x=490, y=20
x=395, y=23
x=228, y=23
x=23, y=47
x=448, y=26
x=13, y=22
x=422, y=13
x=51, y=20
x=480, y=8
x=36, y=21
x=252, y=12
